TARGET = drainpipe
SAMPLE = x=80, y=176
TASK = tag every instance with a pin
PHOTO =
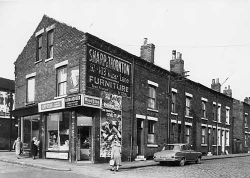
x=168, y=112
x=132, y=118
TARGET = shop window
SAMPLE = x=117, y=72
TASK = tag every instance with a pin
x=50, y=47
x=30, y=129
x=58, y=131
x=30, y=90
x=39, y=48
x=152, y=97
x=61, y=81
x=151, y=132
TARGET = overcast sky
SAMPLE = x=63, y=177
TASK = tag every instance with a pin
x=212, y=35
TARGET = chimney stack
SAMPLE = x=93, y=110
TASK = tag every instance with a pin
x=216, y=85
x=147, y=51
x=177, y=64
x=228, y=91
x=247, y=100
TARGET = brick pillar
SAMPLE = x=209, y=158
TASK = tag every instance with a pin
x=42, y=148
x=73, y=136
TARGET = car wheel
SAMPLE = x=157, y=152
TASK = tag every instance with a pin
x=198, y=161
x=182, y=162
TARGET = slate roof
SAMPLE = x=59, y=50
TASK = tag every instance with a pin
x=7, y=84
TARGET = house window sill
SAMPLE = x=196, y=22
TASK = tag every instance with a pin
x=38, y=61
x=152, y=146
x=204, y=118
x=153, y=110
x=173, y=113
x=203, y=144
x=191, y=117
x=49, y=59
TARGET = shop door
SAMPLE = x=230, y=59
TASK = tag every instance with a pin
x=139, y=136
x=84, y=143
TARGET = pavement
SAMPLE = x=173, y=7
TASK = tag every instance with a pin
x=65, y=165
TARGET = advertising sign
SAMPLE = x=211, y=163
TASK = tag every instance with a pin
x=73, y=84
x=108, y=73
x=111, y=123
x=92, y=101
x=5, y=104
x=51, y=105
x=73, y=101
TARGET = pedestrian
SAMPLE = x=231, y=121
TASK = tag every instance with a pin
x=34, y=147
x=18, y=146
x=116, y=155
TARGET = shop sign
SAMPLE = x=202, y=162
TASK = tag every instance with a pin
x=73, y=101
x=51, y=105
x=92, y=101
x=108, y=73
x=56, y=155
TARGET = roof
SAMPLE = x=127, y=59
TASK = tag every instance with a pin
x=7, y=84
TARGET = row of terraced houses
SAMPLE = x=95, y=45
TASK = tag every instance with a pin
x=77, y=93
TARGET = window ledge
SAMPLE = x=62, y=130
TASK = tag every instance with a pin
x=29, y=104
x=191, y=117
x=152, y=146
x=214, y=121
x=227, y=124
x=38, y=61
x=246, y=127
x=49, y=59
x=219, y=122
x=152, y=110
x=203, y=144
x=173, y=113
x=58, y=97
x=203, y=118
x=216, y=145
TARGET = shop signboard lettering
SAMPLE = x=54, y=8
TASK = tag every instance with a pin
x=92, y=101
x=73, y=101
x=51, y=105
x=108, y=73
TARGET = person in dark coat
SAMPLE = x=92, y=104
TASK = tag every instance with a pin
x=34, y=147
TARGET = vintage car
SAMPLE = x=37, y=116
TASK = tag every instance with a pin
x=177, y=153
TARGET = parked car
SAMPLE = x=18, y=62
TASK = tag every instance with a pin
x=177, y=153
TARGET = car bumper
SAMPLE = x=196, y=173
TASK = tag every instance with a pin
x=176, y=159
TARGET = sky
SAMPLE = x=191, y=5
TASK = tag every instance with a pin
x=213, y=36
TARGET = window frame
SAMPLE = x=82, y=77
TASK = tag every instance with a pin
x=203, y=135
x=58, y=83
x=188, y=106
x=187, y=133
x=50, y=45
x=29, y=91
x=39, y=45
x=151, y=99
x=203, y=109
x=227, y=115
x=173, y=101
x=151, y=131
x=245, y=120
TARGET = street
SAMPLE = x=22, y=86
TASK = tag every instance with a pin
x=229, y=167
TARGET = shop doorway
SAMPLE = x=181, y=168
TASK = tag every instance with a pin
x=84, y=143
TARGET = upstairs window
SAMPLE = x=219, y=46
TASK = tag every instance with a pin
x=227, y=115
x=246, y=116
x=173, y=105
x=39, y=48
x=214, y=112
x=50, y=48
x=188, y=106
x=203, y=109
x=61, y=81
x=219, y=113
x=30, y=90
x=152, y=97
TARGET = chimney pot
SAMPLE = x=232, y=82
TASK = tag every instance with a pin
x=145, y=41
x=217, y=80
x=213, y=81
x=174, y=54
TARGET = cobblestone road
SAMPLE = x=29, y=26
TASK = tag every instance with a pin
x=223, y=168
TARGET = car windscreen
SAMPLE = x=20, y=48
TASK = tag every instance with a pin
x=171, y=147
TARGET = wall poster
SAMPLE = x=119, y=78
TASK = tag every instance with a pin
x=111, y=122
x=5, y=105
x=73, y=84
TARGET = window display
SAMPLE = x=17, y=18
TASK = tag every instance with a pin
x=58, y=131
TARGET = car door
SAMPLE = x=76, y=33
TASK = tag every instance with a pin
x=189, y=154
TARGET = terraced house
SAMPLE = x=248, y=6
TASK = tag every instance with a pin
x=78, y=93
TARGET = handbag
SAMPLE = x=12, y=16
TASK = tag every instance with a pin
x=111, y=162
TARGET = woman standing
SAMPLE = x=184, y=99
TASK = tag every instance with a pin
x=18, y=146
x=116, y=155
x=34, y=147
